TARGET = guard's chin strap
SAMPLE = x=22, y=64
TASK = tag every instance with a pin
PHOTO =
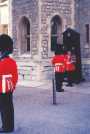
x=4, y=54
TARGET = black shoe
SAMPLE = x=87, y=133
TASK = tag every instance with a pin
x=60, y=90
x=69, y=85
x=5, y=130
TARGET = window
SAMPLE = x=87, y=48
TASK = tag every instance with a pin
x=87, y=33
x=2, y=1
x=25, y=35
x=4, y=28
x=56, y=30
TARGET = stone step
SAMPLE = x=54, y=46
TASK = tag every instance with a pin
x=31, y=83
x=33, y=70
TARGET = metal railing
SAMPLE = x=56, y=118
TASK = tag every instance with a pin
x=51, y=68
x=47, y=69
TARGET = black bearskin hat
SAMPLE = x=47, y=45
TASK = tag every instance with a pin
x=59, y=49
x=6, y=43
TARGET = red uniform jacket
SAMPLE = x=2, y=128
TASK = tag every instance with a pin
x=69, y=63
x=59, y=63
x=8, y=75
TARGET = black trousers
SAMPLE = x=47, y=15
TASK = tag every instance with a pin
x=59, y=77
x=70, y=77
x=7, y=111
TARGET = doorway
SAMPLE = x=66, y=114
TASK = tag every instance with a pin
x=56, y=32
x=24, y=33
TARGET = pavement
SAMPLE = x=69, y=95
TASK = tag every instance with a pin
x=35, y=112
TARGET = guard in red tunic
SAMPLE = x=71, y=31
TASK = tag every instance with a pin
x=70, y=68
x=59, y=68
x=8, y=80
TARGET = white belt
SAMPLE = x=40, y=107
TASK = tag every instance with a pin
x=58, y=64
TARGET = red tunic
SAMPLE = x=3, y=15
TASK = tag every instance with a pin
x=69, y=63
x=8, y=75
x=59, y=62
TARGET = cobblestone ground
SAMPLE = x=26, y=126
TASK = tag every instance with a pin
x=35, y=113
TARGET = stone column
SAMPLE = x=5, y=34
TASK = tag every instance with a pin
x=10, y=17
x=40, y=36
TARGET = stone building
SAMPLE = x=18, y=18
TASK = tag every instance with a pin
x=82, y=24
x=4, y=15
x=32, y=25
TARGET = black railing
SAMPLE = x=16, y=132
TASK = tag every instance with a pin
x=46, y=69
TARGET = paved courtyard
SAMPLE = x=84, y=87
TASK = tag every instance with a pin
x=36, y=114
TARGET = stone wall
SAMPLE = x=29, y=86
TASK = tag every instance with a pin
x=39, y=13
x=83, y=18
x=28, y=8
x=50, y=8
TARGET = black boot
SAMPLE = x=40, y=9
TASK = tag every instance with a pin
x=69, y=85
x=60, y=90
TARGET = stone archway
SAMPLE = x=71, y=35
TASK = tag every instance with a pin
x=24, y=34
x=56, y=32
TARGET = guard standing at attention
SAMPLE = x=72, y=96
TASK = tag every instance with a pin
x=70, y=68
x=8, y=80
x=59, y=68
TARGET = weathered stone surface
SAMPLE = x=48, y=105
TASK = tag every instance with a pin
x=40, y=13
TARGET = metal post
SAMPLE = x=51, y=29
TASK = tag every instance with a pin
x=54, y=91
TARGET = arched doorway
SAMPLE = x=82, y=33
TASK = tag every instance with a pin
x=56, y=32
x=24, y=34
